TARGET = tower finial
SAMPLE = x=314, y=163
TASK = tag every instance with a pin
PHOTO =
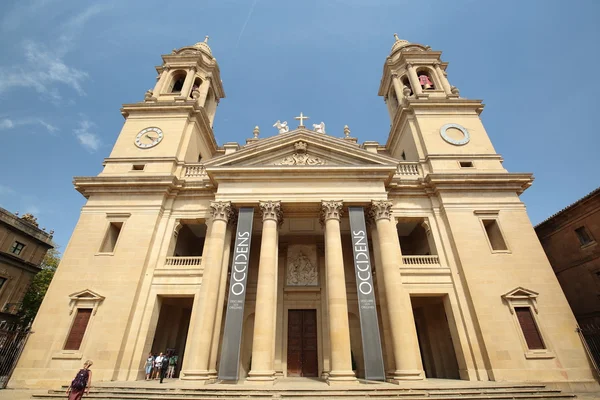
x=206, y=39
x=395, y=36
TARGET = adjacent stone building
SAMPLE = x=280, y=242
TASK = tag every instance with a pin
x=569, y=239
x=23, y=246
x=184, y=244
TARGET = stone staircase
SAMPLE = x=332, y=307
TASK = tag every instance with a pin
x=380, y=392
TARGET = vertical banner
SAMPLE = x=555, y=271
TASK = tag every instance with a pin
x=369, y=326
x=232, y=335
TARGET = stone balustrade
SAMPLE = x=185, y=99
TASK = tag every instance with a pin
x=194, y=171
x=408, y=168
x=194, y=261
x=421, y=260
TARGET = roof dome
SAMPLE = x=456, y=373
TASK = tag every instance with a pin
x=399, y=43
x=203, y=46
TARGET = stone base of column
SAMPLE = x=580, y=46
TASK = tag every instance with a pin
x=202, y=376
x=261, y=377
x=406, y=375
x=341, y=378
x=212, y=373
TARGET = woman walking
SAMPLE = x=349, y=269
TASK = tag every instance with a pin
x=82, y=382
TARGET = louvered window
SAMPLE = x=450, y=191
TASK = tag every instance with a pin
x=78, y=329
x=529, y=327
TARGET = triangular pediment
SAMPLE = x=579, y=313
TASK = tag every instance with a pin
x=86, y=295
x=301, y=147
x=520, y=293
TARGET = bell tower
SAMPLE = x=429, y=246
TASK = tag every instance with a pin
x=430, y=121
x=173, y=123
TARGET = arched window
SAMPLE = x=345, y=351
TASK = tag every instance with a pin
x=195, y=86
x=425, y=79
x=177, y=81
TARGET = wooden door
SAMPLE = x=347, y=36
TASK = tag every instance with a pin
x=302, y=357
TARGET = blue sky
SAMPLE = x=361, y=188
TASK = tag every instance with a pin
x=67, y=66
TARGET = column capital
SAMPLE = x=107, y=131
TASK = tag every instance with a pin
x=221, y=210
x=331, y=209
x=271, y=210
x=233, y=218
x=409, y=65
x=380, y=209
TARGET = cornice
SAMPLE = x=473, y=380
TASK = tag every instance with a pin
x=517, y=182
x=125, y=184
x=302, y=173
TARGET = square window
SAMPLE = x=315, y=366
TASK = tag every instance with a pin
x=17, y=248
x=494, y=234
x=138, y=167
x=466, y=164
x=583, y=236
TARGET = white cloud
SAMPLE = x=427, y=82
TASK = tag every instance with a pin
x=51, y=128
x=7, y=123
x=42, y=70
x=44, y=65
x=89, y=140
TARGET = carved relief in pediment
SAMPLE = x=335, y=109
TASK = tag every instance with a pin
x=302, y=266
x=301, y=157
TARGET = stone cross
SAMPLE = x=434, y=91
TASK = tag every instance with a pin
x=301, y=118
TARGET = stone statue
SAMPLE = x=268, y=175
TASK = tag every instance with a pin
x=282, y=126
x=319, y=128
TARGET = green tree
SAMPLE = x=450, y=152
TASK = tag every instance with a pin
x=39, y=285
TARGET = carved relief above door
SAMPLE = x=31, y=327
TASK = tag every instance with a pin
x=302, y=266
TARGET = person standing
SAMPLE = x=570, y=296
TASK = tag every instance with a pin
x=163, y=368
x=172, y=366
x=82, y=382
x=149, y=366
x=158, y=365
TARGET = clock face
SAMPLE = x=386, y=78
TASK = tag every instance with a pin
x=148, y=137
x=455, y=134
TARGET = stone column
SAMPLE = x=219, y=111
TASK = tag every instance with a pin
x=397, y=87
x=187, y=84
x=442, y=78
x=263, y=357
x=161, y=82
x=339, y=329
x=383, y=304
x=214, y=352
x=203, y=89
x=414, y=79
x=199, y=346
x=403, y=331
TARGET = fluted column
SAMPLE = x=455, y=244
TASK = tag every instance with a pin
x=339, y=330
x=214, y=352
x=263, y=355
x=199, y=347
x=414, y=79
x=405, y=343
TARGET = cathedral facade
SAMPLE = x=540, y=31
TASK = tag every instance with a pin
x=306, y=254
